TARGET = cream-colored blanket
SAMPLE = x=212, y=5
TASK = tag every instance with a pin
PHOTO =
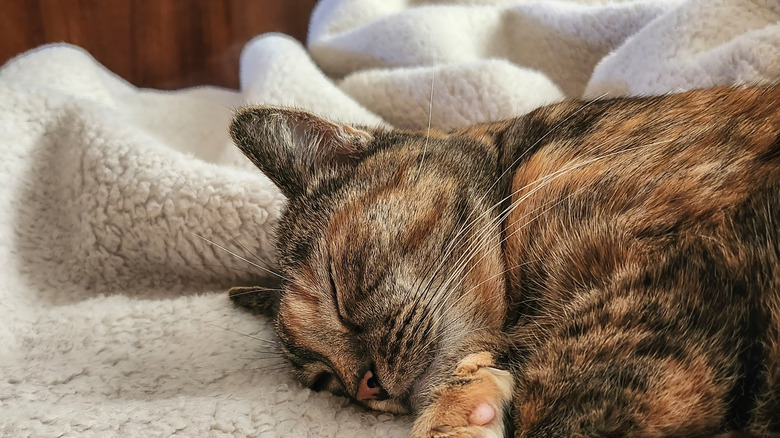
x=118, y=206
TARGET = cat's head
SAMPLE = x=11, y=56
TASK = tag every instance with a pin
x=390, y=247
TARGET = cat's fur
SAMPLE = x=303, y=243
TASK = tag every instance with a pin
x=606, y=268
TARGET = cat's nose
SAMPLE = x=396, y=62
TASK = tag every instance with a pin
x=370, y=389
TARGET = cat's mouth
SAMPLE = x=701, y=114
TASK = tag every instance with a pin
x=406, y=403
x=394, y=405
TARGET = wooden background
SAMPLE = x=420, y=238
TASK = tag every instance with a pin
x=165, y=44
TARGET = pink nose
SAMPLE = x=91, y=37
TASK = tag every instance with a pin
x=369, y=388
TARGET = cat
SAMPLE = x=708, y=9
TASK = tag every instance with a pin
x=600, y=268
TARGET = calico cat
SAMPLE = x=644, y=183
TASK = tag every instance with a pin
x=605, y=268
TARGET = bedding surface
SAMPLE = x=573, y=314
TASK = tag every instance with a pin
x=126, y=213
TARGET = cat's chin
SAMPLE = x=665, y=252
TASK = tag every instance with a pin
x=392, y=406
x=419, y=390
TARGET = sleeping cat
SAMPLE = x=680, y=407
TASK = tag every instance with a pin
x=606, y=268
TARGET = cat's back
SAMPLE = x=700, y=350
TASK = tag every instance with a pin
x=643, y=260
x=626, y=187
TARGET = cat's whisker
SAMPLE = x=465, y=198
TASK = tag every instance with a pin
x=417, y=290
x=273, y=368
x=265, y=341
x=458, y=273
x=458, y=244
x=232, y=268
x=541, y=139
x=266, y=356
x=442, y=260
x=557, y=174
x=247, y=251
x=441, y=329
x=458, y=300
x=494, y=221
x=543, y=181
x=520, y=157
x=461, y=269
x=195, y=195
x=420, y=294
x=437, y=309
x=560, y=172
x=550, y=207
x=505, y=271
x=487, y=227
x=256, y=291
x=452, y=320
x=430, y=117
x=419, y=171
x=445, y=332
x=237, y=256
x=564, y=169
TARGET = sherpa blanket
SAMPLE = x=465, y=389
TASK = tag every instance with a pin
x=125, y=214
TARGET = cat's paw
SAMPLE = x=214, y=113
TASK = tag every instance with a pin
x=471, y=405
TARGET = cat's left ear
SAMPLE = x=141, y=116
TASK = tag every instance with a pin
x=290, y=146
x=257, y=299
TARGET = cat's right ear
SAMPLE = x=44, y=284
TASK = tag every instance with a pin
x=290, y=146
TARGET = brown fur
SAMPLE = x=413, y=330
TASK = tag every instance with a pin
x=620, y=258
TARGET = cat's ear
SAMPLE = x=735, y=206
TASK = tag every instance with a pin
x=290, y=145
x=258, y=299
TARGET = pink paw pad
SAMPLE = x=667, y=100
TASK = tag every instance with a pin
x=482, y=414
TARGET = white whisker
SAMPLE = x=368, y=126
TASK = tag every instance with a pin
x=266, y=341
x=430, y=117
x=237, y=256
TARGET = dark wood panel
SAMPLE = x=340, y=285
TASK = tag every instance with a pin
x=164, y=44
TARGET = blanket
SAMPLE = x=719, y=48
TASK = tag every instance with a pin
x=126, y=213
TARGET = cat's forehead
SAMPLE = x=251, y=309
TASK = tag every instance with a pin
x=392, y=205
x=395, y=200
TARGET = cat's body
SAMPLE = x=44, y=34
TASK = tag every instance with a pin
x=607, y=268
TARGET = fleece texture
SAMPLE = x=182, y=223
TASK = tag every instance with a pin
x=120, y=207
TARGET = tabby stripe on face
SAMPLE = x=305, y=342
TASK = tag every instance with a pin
x=392, y=347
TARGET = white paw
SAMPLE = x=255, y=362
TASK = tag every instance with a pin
x=472, y=405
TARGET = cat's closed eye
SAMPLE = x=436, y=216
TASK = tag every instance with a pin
x=349, y=325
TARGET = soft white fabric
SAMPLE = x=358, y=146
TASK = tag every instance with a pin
x=113, y=315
